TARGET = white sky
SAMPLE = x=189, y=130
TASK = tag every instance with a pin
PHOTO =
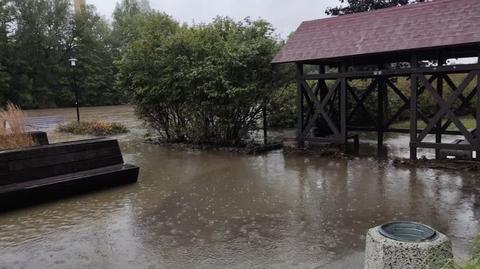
x=285, y=15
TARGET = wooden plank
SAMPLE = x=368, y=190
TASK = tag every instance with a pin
x=321, y=111
x=406, y=106
x=465, y=100
x=300, y=105
x=332, y=139
x=451, y=69
x=446, y=107
x=413, y=108
x=371, y=88
x=343, y=110
x=63, y=158
x=67, y=177
x=445, y=146
x=60, y=169
x=318, y=107
x=478, y=114
x=438, y=127
x=381, y=95
x=35, y=192
x=58, y=149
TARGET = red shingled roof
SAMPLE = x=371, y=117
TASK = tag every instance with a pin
x=439, y=23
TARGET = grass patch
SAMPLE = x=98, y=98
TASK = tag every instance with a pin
x=473, y=263
x=97, y=128
x=12, y=128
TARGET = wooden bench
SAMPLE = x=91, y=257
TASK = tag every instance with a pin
x=57, y=170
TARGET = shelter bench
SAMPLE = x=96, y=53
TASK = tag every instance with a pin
x=52, y=171
x=457, y=153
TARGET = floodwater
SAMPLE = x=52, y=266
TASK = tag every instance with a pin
x=194, y=209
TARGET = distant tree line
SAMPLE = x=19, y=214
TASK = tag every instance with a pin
x=38, y=37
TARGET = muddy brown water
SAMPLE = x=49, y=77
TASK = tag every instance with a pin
x=194, y=209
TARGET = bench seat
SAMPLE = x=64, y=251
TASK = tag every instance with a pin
x=54, y=171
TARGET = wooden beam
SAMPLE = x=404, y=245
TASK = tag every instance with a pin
x=477, y=150
x=438, y=128
x=300, y=106
x=360, y=100
x=466, y=101
x=343, y=109
x=413, y=108
x=406, y=100
x=445, y=146
x=381, y=95
x=319, y=109
x=398, y=130
x=265, y=123
x=446, y=108
x=450, y=69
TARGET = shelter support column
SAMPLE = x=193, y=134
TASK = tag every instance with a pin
x=381, y=102
x=438, y=127
x=343, y=108
x=477, y=136
x=413, y=109
x=300, y=106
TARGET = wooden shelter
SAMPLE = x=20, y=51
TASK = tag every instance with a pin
x=413, y=44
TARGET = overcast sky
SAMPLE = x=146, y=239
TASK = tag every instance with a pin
x=285, y=15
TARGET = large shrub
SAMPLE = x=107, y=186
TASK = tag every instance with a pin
x=203, y=84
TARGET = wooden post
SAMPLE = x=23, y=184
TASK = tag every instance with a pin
x=438, y=128
x=265, y=123
x=300, y=106
x=382, y=90
x=343, y=107
x=477, y=151
x=413, y=108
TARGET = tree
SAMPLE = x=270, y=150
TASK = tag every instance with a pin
x=37, y=37
x=39, y=40
x=355, y=6
x=126, y=21
x=5, y=19
x=95, y=73
x=203, y=84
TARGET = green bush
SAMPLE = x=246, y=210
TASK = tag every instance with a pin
x=97, y=128
x=203, y=84
x=282, y=107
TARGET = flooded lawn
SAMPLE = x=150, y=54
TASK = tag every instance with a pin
x=194, y=209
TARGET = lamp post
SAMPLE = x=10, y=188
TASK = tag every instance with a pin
x=73, y=64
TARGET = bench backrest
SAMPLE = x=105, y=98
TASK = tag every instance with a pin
x=58, y=159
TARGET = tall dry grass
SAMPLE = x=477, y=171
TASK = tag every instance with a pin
x=13, y=134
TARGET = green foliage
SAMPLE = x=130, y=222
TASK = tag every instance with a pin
x=126, y=21
x=202, y=84
x=473, y=263
x=97, y=128
x=282, y=106
x=355, y=6
x=95, y=73
x=37, y=37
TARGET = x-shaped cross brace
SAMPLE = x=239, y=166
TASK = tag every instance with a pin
x=445, y=108
x=320, y=108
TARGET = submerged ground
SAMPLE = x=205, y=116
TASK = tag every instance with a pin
x=194, y=209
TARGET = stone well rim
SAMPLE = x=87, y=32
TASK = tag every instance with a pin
x=408, y=232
